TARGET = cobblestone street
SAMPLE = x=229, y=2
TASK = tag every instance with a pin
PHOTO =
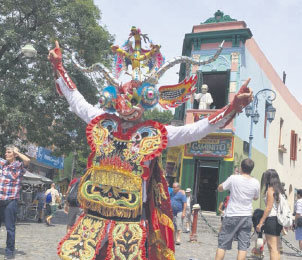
x=35, y=241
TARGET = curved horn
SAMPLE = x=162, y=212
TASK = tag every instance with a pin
x=156, y=75
x=96, y=67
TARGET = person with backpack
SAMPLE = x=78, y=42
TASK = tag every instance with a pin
x=274, y=213
x=72, y=206
x=51, y=198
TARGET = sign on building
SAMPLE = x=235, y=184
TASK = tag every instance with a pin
x=44, y=156
x=211, y=146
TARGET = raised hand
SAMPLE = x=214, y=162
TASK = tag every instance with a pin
x=55, y=55
x=243, y=97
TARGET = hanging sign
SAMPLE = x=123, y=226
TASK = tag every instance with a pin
x=44, y=156
x=212, y=146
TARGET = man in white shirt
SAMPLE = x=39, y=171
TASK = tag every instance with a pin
x=238, y=216
x=51, y=207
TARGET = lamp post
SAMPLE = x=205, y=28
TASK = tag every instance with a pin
x=28, y=50
x=252, y=111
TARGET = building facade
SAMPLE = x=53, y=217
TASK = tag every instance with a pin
x=204, y=164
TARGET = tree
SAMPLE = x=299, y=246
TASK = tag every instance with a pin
x=164, y=117
x=29, y=105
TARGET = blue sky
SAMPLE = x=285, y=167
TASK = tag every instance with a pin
x=276, y=26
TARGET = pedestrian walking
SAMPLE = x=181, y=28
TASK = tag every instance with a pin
x=11, y=174
x=238, y=215
x=222, y=207
x=72, y=206
x=188, y=217
x=269, y=222
x=40, y=198
x=298, y=218
x=179, y=205
x=52, y=198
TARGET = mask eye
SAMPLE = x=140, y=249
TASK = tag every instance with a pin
x=134, y=101
x=103, y=101
x=137, y=137
x=149, y=96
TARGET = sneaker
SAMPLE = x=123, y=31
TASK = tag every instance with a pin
x=9, y=257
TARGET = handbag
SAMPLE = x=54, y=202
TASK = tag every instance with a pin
x=284, y=214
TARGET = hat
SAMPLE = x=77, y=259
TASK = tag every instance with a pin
x=188, y=190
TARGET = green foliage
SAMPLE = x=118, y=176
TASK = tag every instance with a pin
x=164, y=117
x=29, y=104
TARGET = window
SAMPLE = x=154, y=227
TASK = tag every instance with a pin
x=281, y=147
x=293, y=145
x=280, y=132
x=218, y=84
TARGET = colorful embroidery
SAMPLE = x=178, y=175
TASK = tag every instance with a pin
x=112, y=186
x=127, y=241
x=84, y=239
x=112, y=191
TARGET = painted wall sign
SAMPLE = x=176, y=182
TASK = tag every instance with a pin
x=212, y=146
x=44, y=156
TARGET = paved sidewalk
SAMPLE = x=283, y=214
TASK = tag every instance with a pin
x=205, y=248
x=36, y=241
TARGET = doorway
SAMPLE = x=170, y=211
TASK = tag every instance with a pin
x=206, y=182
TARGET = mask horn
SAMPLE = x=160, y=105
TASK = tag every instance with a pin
x=96, y=67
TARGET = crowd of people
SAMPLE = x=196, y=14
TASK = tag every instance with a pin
x=237, y=215
x=238, y=218
x=236, y=210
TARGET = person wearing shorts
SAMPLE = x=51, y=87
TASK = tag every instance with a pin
x=237, y=222
x=269, y=222
x=51, y=207
x=179, y=205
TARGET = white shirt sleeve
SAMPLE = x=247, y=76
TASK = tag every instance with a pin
x=226, y=185
x=299, y=207
x=180, y=135
x=257, y=190
x=78, y=104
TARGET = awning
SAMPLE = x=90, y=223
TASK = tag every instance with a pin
x=32, y=182
x=30, y=175
x=46, y=180
x=35, y=177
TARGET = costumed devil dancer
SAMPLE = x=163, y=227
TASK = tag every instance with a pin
x=127, y=212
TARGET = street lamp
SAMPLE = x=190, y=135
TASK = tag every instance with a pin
x=270, y=113
x=28, y=50
x=252, y=111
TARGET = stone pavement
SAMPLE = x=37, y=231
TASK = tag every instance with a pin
x=36, y=241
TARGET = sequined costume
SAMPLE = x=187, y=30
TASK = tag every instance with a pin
x=127, y=212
